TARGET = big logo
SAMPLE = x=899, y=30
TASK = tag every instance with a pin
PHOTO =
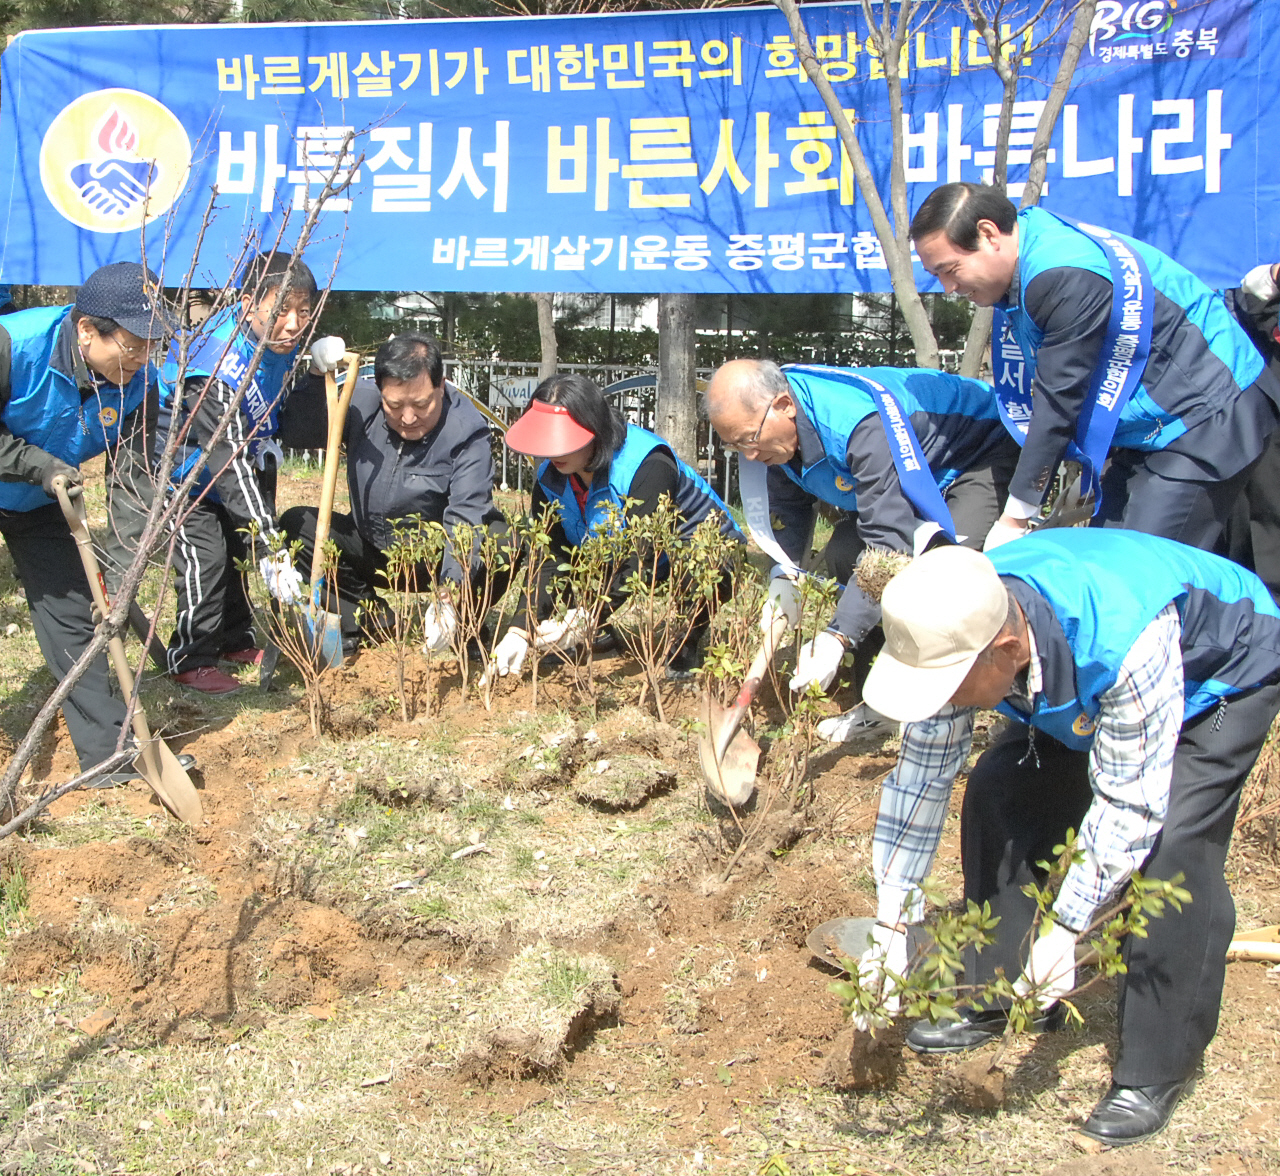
x=1113, y=21
x=114, y=160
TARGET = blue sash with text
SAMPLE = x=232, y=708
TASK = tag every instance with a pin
x=917, y=479
x=1120, y=366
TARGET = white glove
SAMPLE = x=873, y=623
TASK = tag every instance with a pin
x=439, y=624
x=1260, y=283
x=1002, y=533
x=1051, y=970
x=564, y=634
x=327, y=353
x=508, y=655
x=860, y=723
x=886, y=954
x=783, y=600
x=282, y=578
x=818, y=662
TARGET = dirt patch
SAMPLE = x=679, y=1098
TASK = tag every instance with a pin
x=863, y=1061
x=976, y=1084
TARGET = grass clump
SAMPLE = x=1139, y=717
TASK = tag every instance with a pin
x=548, y=1005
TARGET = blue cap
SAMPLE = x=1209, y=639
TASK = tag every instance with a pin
x=129, y=294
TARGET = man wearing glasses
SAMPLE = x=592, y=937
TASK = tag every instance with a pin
x=905, y=453
x=73, y=384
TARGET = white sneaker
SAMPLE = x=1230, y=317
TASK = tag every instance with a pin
x=860, y=723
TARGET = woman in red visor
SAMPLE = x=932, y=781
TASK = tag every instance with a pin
x=594, y=459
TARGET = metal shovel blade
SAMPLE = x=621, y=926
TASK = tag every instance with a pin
x=731, y=778
x=267, y=667
x=326, y=636
x=169, y=781
x=848, y=937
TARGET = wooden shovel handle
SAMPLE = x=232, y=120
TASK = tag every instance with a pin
x=337, y=403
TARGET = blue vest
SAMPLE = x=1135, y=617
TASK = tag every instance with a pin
x=45, y=408
x=694, y=498
x=1045, y=243
x=225, y=353
x=1088, y=594
x=835, y=401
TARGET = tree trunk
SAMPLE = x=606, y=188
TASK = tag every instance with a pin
x=975, y=344
x=547, y=335
x=895, y=244
x=677, y=403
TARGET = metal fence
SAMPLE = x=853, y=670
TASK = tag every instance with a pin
x=504, y=386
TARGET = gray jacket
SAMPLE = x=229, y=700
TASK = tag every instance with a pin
x=446, y=477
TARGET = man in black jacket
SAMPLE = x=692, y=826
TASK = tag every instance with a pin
x=415, y=447
x=1252, y=535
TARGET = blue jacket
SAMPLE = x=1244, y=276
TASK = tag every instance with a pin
x=224, y=353
x=1086, y=606
x=843, y=457
x=54, y=403
x=694, y=497
x=1201, y=361
x=954, y=418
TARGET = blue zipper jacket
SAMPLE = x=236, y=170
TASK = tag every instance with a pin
x=1202, y=363
x=695, y=499
x=225, y=353
x=55, y=404
x=1086, y=605
x=843, y=458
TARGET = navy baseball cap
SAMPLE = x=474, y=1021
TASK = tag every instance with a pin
x=129, y=294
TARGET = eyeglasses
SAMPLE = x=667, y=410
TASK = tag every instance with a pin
x=754, y=441
x=147, y=349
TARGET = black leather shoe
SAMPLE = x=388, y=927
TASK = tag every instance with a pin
x=975, y=1028
x=1130, y=1114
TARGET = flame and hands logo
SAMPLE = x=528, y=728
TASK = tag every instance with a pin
x=114, y=160
x=117, y=181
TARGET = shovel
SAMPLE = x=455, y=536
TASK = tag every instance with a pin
x=167, y=777
x=729, y=756
x=326, y=627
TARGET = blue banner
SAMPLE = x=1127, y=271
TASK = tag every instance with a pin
x=653, y=152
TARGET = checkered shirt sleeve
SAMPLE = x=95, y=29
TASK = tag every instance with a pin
x=913, y=809
x=1130, y=770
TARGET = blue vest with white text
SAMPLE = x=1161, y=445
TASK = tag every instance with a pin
x=1046, y=243
x=225, y=353
x=45, y=408
x=835, y=401
x=1093, y=591
x=694, y=498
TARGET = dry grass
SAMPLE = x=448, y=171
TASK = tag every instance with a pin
x=560, y=897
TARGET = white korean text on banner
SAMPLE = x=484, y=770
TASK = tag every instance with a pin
x=657, y=152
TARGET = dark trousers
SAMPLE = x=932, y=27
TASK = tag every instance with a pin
x=362, y=570
x=1253, y=531
x=214, y=616
x=1020, y=801
x=49, y=568
x=1139, y=499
